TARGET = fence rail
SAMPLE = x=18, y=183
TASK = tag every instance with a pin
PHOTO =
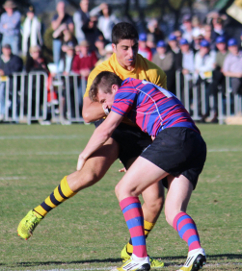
x=32, y=97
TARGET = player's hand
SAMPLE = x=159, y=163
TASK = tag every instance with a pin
x=122, y=169
x=81, y=161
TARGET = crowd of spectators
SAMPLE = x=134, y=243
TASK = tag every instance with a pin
x=201, y=51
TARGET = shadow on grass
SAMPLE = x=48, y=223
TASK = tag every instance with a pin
x=118, y=260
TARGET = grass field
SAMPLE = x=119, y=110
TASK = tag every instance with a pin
x=88, y=231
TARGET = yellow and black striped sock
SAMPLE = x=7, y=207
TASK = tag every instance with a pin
x=59, y=195
x=148, y=226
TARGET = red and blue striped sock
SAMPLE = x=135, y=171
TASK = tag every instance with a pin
x=187, y=230
x=133, y=214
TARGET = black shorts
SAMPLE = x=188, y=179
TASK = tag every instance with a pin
x=132, y=141
x=178, y=151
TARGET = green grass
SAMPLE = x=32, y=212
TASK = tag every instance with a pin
x=88, y=231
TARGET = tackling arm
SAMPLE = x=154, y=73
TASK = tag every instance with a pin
x=99, y=137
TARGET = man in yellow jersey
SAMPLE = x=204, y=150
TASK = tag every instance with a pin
x=127, y=141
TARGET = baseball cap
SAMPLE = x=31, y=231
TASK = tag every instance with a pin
x=161, y=43
x=172, y=37
x=143, y=37
x=232, y=42
x=204, y=43
x=220, y=39
x=183, y=41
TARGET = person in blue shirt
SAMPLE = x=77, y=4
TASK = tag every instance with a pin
x=10, y=26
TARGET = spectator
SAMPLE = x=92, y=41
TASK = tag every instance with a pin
x=178, y=35
x=10, y=26
x=187, y=65
x=218, y=79
x=187, y=27
x=67, y=39
x=207, y=35
x=195, y=45
x=9, y=63
x=196, y=26
x=35, y=60
x=100, y=47
x=65, y=68
x=106, y=21
x=80, y=18
x=65, y=64
x=187, y=62
x=144, y=50
x=175, y=49
x=35, y=63
x=204, y=65
x=83, y=64
x=218, y=29
x=232, y=66
x=151, y=43
x=172, y=41
x=92, y=32
x=60, y=21
x=85, y=61
x=31, y=35
x=154, y=29
x=164, y=59
x=108, y=52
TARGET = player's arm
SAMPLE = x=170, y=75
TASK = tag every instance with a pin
x=92, y=111
x=99, y=137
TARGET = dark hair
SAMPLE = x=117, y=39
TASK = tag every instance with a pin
x=103, y=80
x=122, y=31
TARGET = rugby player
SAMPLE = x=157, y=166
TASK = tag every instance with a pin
x=177, y=155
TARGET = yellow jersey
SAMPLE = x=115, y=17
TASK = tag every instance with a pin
x=144, y=69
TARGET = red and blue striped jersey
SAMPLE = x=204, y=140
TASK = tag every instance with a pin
x=151, y=107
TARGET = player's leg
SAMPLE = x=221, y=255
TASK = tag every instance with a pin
x=140, y=175
x=153, y=197
x=178, y=196
x=153, y=201
x=93, y=170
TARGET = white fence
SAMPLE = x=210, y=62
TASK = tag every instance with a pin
x=199, y=102
x=29, y=98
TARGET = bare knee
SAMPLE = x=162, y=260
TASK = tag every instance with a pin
x=82, y=179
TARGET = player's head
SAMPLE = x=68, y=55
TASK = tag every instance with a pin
x=104, y=87
x=125, y=44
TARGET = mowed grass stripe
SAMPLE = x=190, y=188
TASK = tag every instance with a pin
x=78, y=152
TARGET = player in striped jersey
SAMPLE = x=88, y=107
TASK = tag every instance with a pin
x=176, y=155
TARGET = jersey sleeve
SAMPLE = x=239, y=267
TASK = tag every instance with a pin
x=123, y=101
x=157, y=76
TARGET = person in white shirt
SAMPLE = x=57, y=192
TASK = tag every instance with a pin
x=204, y=65
x=31, y=34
